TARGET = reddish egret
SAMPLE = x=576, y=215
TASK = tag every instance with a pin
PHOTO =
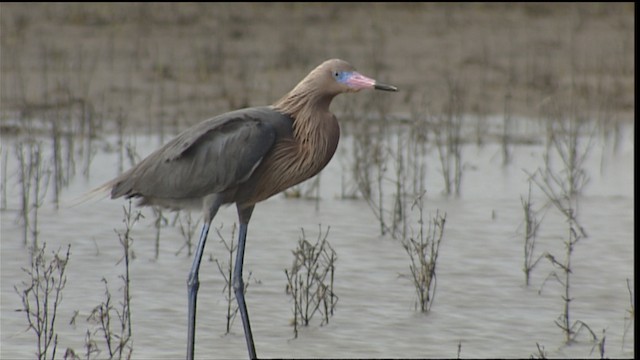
x=244, y=157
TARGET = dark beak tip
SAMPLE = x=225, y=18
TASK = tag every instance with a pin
x=385, y=87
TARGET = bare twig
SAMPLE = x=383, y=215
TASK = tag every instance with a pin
x=117, y=336
x=227, y=273
x=187, y=230
x=313, y=265
x=423, y=251
x=532, y=224
x=628, y=320
x=41, y=296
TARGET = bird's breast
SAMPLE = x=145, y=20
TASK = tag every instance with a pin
x=294, y=160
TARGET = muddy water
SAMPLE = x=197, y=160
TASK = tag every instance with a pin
x=481, y=302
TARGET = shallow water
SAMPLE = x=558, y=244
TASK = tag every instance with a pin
x=481, y=302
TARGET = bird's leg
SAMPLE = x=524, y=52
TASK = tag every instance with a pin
x=193, y=283
x=238, y=284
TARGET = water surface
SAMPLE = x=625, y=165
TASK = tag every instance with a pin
x=481, y=301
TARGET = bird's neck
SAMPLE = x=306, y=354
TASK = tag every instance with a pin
x=307, y=109
x=315, y=129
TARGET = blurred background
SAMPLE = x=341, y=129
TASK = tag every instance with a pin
x=169, y=63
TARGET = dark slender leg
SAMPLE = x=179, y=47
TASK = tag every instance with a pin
x=238, y=284
x=193, y=283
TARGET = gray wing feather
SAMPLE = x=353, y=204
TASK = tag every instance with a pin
x=207, y=158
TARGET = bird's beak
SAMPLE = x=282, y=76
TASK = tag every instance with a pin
x=384, y=87
x=358, y=82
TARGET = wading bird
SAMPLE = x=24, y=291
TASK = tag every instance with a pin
x=244, y=157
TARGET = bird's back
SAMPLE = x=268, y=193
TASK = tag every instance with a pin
x=214, y=156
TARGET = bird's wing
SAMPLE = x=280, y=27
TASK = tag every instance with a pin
x=207, y=158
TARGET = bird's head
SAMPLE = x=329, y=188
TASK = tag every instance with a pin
x=338, y=76
x=318, y=88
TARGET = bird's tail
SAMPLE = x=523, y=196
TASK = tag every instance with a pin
x=98, y=193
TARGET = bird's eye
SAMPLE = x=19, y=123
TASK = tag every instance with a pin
x=336, y=74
